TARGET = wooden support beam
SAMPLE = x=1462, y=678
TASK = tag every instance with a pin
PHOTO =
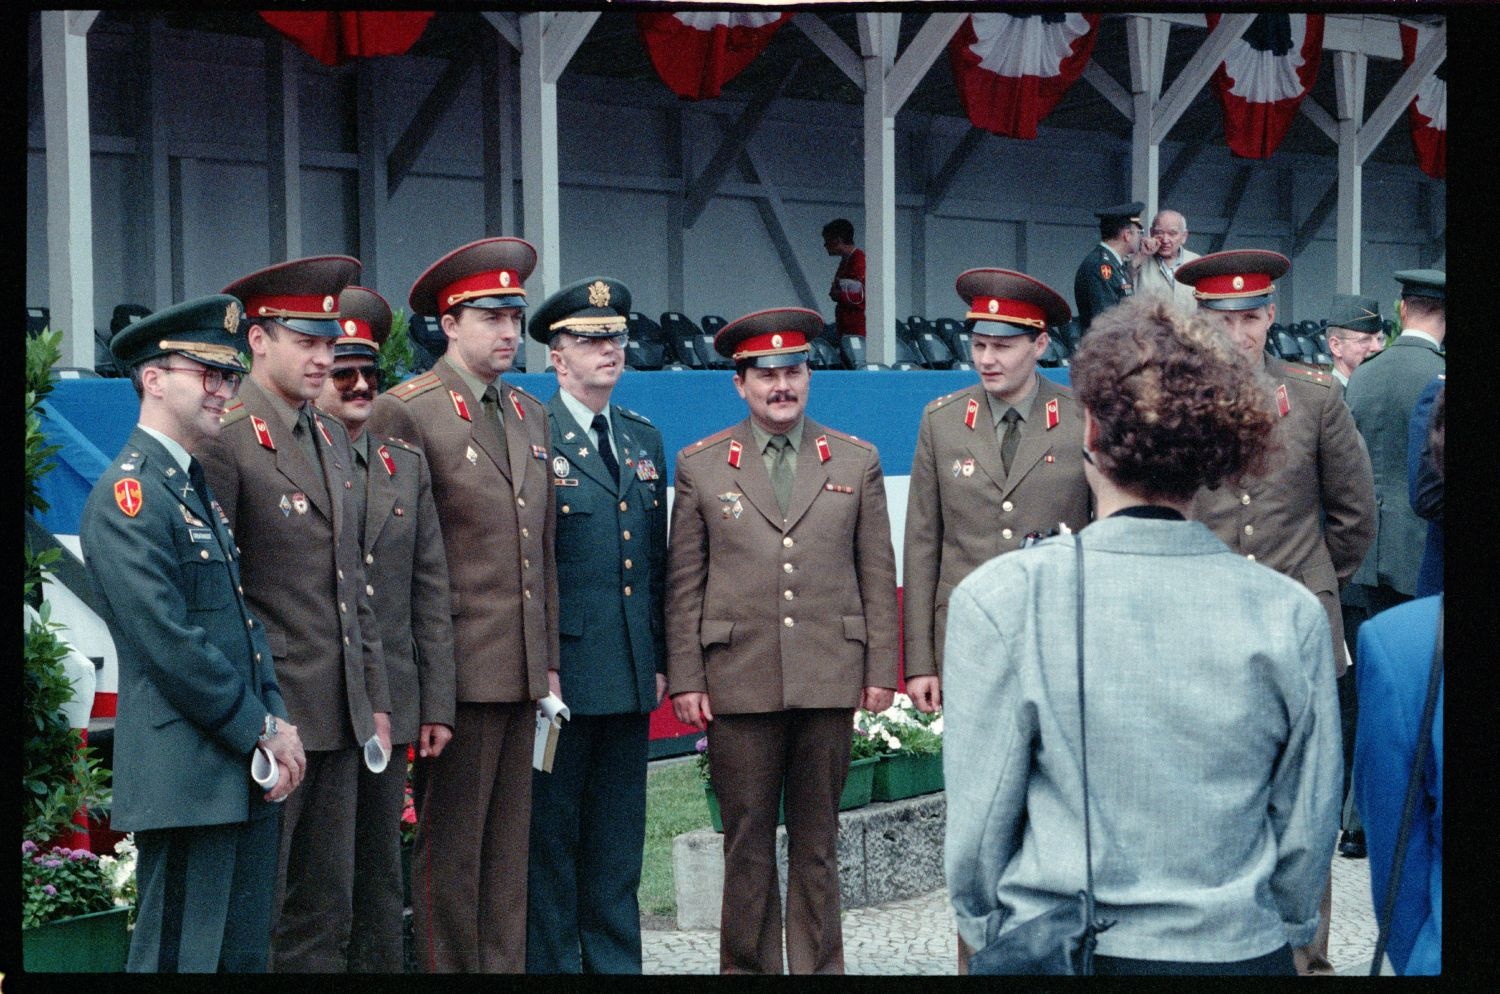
x=1110, y=90
x=505, y=24
x=774, y=216
x=735, y=140
x=1232, y=202
x=831, y=45
x=967, y=145
x=1315, y=219
x=425, y=121
x=563, y=34
x=1197, y=72
x=1427, y=60
x=1314, y=112
x=931, y=41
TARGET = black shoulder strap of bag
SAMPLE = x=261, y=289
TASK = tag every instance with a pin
x=1413, y=791
x=1094, y=926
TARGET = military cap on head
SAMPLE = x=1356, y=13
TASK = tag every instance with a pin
x=591, y=308
x=1239, y=280
x=489, y=273
x=1010, y=303
x=366, y=319
x=1125, y=212
x=770, y=338
x=206, y=329
x=302, y=294
x=1423, y=283
x=1357, y=313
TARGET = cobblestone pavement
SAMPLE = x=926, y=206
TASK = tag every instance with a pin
x=916, y=936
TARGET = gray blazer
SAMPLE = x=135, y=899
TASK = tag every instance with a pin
x=1213, y=737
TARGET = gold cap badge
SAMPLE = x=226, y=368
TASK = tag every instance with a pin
x=598, y=294
x=232, y=317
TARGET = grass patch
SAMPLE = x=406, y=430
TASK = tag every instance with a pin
x=674, y=804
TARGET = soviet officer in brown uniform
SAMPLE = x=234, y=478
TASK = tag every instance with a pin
x=280, y=469
x=408, y=580
x=994, y=463
x=487, y=445
x=1312, y=515
x=781, y=620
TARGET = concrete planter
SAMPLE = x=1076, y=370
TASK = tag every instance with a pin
x=857, y=787
x=903, y=775
x=92, y=943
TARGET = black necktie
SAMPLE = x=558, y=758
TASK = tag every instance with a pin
x=1011, y=439
x=606, y=451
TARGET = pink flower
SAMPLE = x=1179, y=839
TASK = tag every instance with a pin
x=49, y=890
x=28, y=846
x=702, y=744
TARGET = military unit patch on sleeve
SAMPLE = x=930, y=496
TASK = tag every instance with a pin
x=128, y=496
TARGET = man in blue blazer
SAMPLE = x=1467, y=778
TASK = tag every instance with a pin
x=198, y=693
x=1395, y=653
x=588, y=815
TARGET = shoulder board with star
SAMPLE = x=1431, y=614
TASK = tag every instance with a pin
x=1307, y=374
x=944, y=401
x=634, y=416
x=415, y=386
x=399, y=443
x=233, y=413
x=843, y=436
x=704, y=444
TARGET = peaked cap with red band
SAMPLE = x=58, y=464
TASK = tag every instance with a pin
x=1010, y=303
x=365, y=318
x=770, y=338
x=302, y=294
x=489, y=273
x=1240, y=280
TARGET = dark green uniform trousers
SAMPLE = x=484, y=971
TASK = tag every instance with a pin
x=588, y=830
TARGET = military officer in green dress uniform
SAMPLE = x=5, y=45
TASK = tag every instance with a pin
x=198, y=694
x=406, y=576
x=1103, y=277
x=1382, y=394
x=588, y=815
x=1312, y=515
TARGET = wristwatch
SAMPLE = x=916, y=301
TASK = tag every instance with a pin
x=269, y=728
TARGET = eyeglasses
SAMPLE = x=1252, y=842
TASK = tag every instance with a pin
x=213, y=377
x=1159, y=232
x=601, y=342
x=344, y=378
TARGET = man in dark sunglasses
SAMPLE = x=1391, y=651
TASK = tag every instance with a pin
x=407, y=575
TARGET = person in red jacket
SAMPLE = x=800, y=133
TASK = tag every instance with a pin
x=848, y=290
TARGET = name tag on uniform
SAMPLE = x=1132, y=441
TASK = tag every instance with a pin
x=200, y=534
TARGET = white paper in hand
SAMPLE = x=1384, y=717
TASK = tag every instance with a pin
x=376, y=757
x=551, y=712
x=264, y=771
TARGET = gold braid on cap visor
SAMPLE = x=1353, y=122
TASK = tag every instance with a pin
x=211, y=352
x=494, y=291
x=608, y=323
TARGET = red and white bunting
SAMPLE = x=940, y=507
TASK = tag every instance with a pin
x=1262, y=80
x=335, y=36
x=696, y=52
x=1429, y=109
x=1011, y=69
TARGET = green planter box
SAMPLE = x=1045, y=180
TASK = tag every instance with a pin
x=857, y=786
x=94, y=943
x=903, y=775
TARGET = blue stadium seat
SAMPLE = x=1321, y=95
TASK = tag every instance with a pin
x=644, y=355
x=823, y=354
x=948, y=329
x=643, y=329
x=708, y=355
x=711, y=324
x=852, y=348
x=680, y=330
x=935, y=352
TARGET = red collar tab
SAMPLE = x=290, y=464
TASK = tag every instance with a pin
x=459, y=405
x=822, y=443
x=385, y=458
x=1052, y=414
x=735, y=449
x=971, y=413
x=262, y=433
x=515, y=401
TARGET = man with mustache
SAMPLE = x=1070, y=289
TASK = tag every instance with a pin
x=781, y=613
x=280, y=468
x=588, y=816
x=198, y=690
x=406, y=572
x=486, y=443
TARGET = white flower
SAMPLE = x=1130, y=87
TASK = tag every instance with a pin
x=893, y=742
x=901, y=701
x=937, y=726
